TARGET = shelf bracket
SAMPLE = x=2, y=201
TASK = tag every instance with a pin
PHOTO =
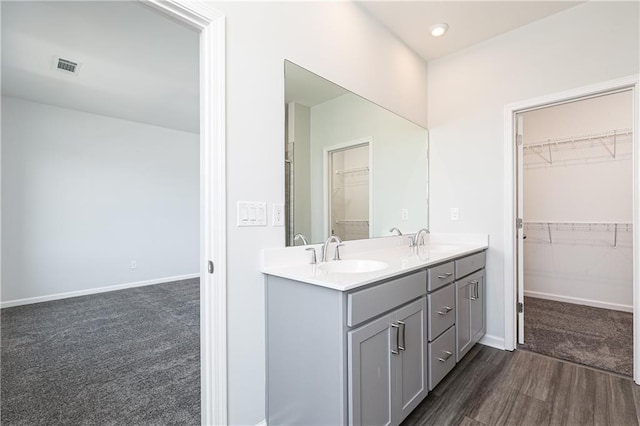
x=601, y=140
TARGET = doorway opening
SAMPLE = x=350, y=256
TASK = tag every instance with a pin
x=348, y=190
x=208, y=23
x=575, y=251
x=513, y=237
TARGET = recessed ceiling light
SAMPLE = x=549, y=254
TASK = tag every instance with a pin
x=438, y=29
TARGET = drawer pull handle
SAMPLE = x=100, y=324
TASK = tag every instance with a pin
x=395, y=327
x=446, y=275
x=401, y=346
x=446, y=310
x=448, y=355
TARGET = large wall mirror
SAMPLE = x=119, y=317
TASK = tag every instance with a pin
x=352, y=168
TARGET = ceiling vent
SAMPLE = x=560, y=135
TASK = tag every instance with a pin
x=67, y=66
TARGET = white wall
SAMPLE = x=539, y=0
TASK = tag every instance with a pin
x=400, y=161
x=83, y=195
x=580, y=266
x=339, y=42
x=467, y=93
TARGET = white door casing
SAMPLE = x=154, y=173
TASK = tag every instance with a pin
x=326, y=152
x=510, y=194
x=520, y=229
x=200, y=16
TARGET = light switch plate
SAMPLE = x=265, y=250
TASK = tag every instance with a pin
x=404, y=214
x=277, y=217
x=455, y=213
x=252, y=213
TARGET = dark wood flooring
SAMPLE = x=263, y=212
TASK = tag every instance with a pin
x=494, y=387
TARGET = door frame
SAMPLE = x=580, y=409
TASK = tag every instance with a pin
x=326, y=205
x=510, y=240
x=210, y=23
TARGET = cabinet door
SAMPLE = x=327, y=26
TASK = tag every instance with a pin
x=411, y=361
x=464, y=291
x=478, y=310
x=370, y=372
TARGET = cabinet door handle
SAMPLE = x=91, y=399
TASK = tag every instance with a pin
x=401, y=346
x=474, y=289
x=395, y=327
x=477, y=292
x=445, y=310
x=446, y=357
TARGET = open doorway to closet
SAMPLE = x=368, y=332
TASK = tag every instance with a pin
x=575, y=254
x=348, y=174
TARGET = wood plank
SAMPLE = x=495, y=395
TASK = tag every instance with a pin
x=492, y=387
x=467, y=421
x=528, y=410
x=614, y=398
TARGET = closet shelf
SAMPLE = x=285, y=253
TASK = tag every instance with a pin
x=610, y=145
x=548, y=229
x=352, y=171
x=353, y=222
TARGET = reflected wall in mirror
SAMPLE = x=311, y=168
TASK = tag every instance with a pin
x=352, y=168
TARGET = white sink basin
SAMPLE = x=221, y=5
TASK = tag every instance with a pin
x=352, y=266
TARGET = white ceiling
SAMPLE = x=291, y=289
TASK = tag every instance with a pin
x=136, y=64
x=140, y=66
x=470, y=22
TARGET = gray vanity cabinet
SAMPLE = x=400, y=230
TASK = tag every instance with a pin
x=356, y=357
x=470, y=306
x=386, y=366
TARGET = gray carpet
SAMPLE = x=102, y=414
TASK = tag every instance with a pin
x=129, y=357
x=595, y=337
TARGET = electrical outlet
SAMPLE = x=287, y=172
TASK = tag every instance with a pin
x=455, y=213
x=134, y=264
x=404, y=215
x=277, y=218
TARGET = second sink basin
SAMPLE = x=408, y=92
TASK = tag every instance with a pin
x=352, y=266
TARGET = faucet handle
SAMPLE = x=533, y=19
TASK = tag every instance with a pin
x=314, y=258
x=336, y=256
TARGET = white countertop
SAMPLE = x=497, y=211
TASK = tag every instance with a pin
x=294, y=262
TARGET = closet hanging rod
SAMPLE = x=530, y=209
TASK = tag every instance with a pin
x=353, y=222
x=576, y=224
x=353, y=170
x=579, y=138
x=614, y=227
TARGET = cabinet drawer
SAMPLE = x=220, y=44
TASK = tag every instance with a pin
x=442, y=312
x=469, y=264
x=373, y=301
x=440, y=275
x=442, y=357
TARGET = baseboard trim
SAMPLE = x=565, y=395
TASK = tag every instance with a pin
x=493, y=341
x=58, y=296
x=579, y=301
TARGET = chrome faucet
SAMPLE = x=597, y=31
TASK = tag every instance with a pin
x=300, y=236
x=394, y=229
x=325, y=247
x=415, y=241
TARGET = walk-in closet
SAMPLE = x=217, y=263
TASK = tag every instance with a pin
x=577, y=210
